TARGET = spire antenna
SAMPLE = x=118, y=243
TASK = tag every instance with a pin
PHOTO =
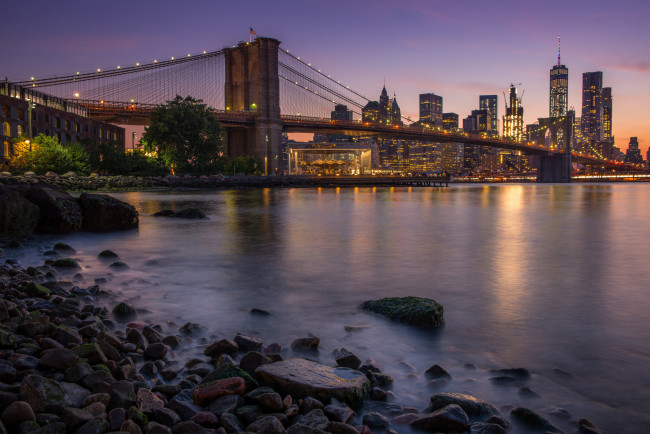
x=558, y=50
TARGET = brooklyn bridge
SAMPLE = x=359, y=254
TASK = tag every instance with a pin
x=258, y=91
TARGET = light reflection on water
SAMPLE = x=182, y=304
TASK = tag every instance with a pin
x=538, y=276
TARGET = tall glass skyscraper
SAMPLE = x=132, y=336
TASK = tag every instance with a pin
x=592, y=106
x=489, y=103
x=559, y=91
x=431, y=109
x=606, y=97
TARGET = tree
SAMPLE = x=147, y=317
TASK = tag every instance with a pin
x=46, y=153
x=186, y=135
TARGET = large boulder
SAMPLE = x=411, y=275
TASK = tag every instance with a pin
x=59, y=212
x=103, y=212
x=18, y=216
x=418, y=311
x=302, y=378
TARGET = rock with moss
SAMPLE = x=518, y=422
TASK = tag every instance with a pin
x=228, y=370
x=301, y=378
x=34, y=290
x=418, y=311
x=107, y=254
x=7, y=339
x=60, y=246
x=44, y=395
x=475, y=408
x=65, y=263
x=122, y=312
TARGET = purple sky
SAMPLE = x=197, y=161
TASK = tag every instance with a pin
x=455, y=49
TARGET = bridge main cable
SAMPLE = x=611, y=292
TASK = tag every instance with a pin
x=87, y=76
x=324, y=75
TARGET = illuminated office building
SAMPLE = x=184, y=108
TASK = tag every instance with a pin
x=431, y=109
x=606, y=98
x=489, y=103
x=559, y=88
x=450, y=121
x=592, y=106
x=513, y=121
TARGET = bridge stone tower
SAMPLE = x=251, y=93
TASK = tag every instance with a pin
x=252, y=85
x=559, y=131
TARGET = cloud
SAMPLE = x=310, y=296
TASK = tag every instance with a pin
x=642, y=67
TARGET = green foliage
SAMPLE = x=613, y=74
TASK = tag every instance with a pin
x=47, y=154
x=110, y=158
x=186, y=136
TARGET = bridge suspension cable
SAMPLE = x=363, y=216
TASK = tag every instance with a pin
x=201, y=76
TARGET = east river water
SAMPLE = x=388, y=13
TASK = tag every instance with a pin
x=551, y=278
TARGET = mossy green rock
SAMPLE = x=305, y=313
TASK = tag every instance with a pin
x=64, y=247
x=44, y=395
x=137, y=416
x=301, y=378
x=34, y=290
x=7, y=340
x=123, y=312
x=418, y=311
x=65, y=263
x=228, y=370
x=107, y=254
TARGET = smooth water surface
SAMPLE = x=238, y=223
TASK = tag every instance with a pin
x=552, y=278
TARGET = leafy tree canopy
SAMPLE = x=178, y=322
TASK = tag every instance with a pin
x=46, y=153
x=185, y=134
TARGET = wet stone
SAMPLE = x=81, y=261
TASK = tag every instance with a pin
x=346, y=359
x=449, y=418
x=227, y=403
x=166, y=416
x=223, y=346
x=302, y=378
x=375, y=420
x=338, y=411
x=248, y=343
x=18, y=412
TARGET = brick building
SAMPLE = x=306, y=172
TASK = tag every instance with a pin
x=52, y=116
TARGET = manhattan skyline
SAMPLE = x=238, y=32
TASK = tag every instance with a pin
x=417, y=47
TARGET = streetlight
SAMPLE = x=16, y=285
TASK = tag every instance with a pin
x=30, y=106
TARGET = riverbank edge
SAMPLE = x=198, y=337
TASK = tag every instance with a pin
x=29, y=314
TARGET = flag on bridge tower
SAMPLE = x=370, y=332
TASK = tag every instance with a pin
x=252, y=33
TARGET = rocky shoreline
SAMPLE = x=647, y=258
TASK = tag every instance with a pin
x=95, y=182
x=69, y=365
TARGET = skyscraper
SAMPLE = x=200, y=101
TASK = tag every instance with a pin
x=606, y=97
x=633, y=154
x=449, y=121
x=489, y=103
x=513, y=121
x=431, y=109
x=558, y=96
x=384, y=106
x=592, y=106
x=394, y=112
